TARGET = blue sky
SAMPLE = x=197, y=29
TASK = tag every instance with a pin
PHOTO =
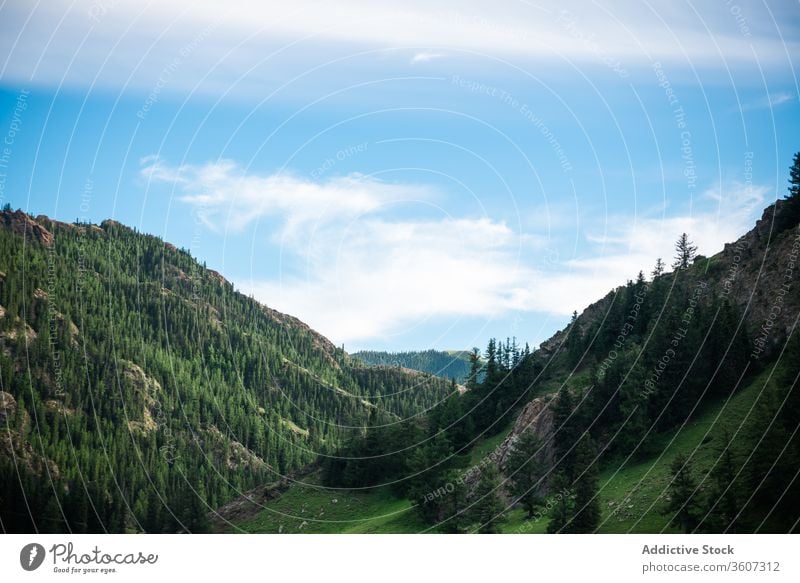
x=403, y=176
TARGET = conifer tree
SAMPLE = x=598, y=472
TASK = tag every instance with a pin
x=487, y=509
x=683, y=504
x=587, y=501
x=563, y=506
x=565, y=432
x=723, y=504
x=792, y=212
x=574, y=340
x=475, y=368
x=685, y=252
x=525, y=471
x=658, y=269
x=455, y=507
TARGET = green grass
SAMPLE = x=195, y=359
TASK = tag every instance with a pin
x=631, y=492
x=309, y=508
x=484, y=447
x=633, y=496
x=517, y=523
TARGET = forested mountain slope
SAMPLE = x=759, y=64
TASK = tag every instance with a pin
x=139, y=389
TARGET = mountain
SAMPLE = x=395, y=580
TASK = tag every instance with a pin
x=140, y=389
x=451, y=364
x=141, y=393
x=670, y=404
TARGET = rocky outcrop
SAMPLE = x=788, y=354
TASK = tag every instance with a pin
x=760, y=274
x=8, y=406
x=56, y=406
x=18, y=331
x=231, y=453
x=142, y=417
x=319, y=342
x=535, y=417
x=217, y=276
x=20, y=223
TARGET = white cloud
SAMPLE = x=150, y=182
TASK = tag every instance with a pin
x=633, y=243
x=227, y=197
x=368, y=274
x=390, y=276
x=424, y=57
x=770, y=101
x=118, y=42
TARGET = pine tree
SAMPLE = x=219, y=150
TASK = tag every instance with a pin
x=475, y=368
x=455, y=508
x=525, y=471
x=723, y=502
x=574, y=339
x=587, y=500
x=487, y=510
x=565, y=432
x=683, y=504
x=563, y=507
x=493, y=371
x=791, y=214
x=658, y=270
x=685, y=252
x=794, y=177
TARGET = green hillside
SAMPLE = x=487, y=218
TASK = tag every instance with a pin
x=148, y=390
x=631, y=491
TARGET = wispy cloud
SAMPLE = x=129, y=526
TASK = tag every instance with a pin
x=226, y=196
x=94, y=42
x=368, y=273
x=390, y=276
x=424, y=57
x=632, y=243
x=770, y=101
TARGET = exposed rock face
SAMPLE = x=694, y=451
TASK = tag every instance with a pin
x=146, y=389
x=760, y=274
x=8, y=406
x=23, y=225
x=216, y=276
x=535, y=417
x=19, y=330
x=230, y=452
x=58, y=407
x=111, y=225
